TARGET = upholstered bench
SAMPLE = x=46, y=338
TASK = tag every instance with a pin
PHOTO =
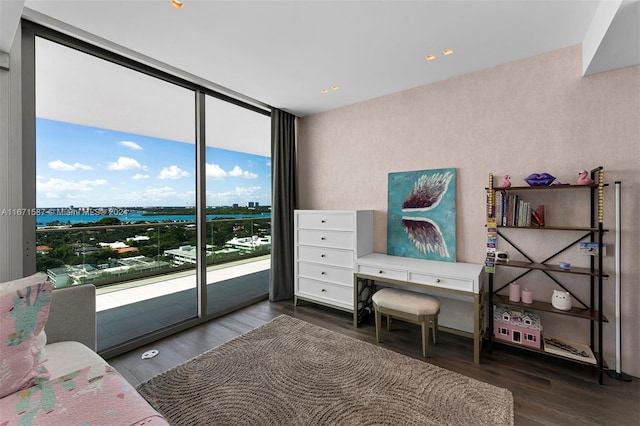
x=410, y=306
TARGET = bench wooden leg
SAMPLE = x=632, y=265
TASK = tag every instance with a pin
x=425, y=336
x=435, y=328
x=378, y=324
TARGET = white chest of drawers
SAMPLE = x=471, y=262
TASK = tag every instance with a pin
x=327, y=242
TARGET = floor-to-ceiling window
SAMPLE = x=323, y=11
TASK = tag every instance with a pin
x=115, y=189
x=238, y=199
x=116, y=164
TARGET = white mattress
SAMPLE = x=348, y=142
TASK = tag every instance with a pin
x=67, y=357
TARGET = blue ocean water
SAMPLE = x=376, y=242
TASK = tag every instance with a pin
x=132, y=217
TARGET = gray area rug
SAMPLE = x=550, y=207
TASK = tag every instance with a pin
x=290, y=372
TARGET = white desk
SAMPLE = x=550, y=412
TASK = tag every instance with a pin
x=456, y=280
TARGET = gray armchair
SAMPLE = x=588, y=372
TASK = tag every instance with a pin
x=72, y=315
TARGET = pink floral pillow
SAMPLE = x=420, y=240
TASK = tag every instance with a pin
x=24, y=310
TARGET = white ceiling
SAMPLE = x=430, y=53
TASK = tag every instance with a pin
x=282, y=53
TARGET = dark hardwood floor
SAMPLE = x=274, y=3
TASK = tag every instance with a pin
x=546, y=391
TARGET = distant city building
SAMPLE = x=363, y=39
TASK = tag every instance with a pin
x=83, y=248
x=249, y=244
x=185, y=254
x=251, y=204
x=81, y=274
x=139, y=238
x=126, y=249
x=114, y=246
x=235, y=205
x=43, y=249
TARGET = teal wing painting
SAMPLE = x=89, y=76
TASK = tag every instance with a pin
x=422, y=214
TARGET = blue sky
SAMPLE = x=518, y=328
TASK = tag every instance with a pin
x=89, y=167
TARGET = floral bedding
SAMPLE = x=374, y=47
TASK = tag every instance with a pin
x=95, y=395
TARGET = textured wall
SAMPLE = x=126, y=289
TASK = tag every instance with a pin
x=534, y=115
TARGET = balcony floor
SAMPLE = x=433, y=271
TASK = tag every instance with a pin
x=128, y=311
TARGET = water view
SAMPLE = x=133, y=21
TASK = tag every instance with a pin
x=114, y=206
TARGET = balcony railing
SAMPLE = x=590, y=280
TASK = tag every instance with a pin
x=108, y=254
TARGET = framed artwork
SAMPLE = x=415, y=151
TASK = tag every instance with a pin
x=422, y=214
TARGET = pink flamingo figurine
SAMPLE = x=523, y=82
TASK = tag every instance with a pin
x=584, y=178
x=506, y=183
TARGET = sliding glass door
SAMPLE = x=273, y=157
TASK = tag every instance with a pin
x=115, y=190
x=238, y=200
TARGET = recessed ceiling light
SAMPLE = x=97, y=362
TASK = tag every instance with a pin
x=447, y=52
x=324, y=91
x=177, y=4
x=430, y=57
x=334, y=87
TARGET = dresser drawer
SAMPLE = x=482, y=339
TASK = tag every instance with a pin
x=343, y=240
x=382, y=272
x=441, y=282
x=326, y=273
x=325, y=291
x=326, y=221
x=328, y=256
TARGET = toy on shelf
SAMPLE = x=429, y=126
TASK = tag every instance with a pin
x=506, y=183
x=561, y=300
x=539, y=179
x=577, y=351
x=517, y=326
x=584, y=178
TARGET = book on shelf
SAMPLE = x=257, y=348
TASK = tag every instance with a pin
x=511, y=210
x=537, y=215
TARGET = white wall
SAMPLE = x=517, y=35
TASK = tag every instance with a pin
x=534, y=115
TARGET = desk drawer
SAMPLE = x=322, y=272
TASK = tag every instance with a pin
x=382, y=272
x=326, y=273
x=326, y=221
x=327, y=256
x=325, y=291
x=335, y=239
x=441, y=282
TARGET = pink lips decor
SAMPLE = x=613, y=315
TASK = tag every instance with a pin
x=539, y=179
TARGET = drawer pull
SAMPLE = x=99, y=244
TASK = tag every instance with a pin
x=437, y=280
x=322, y=238
x=323, y=273
x=323, y=290
x=323, y=221
x=380, y=271
x=323, y=255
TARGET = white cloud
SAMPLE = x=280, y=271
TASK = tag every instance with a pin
x=126, y=163
x=164, y=195
x=62, y=166
x=139, y=176
x=161, y=193
x=58, y=187
x=238, y=172
x=215, y=172
x=232, y=196
x=172, y=172
x=131, y=145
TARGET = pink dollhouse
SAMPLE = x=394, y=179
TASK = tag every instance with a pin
x=517, y=326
